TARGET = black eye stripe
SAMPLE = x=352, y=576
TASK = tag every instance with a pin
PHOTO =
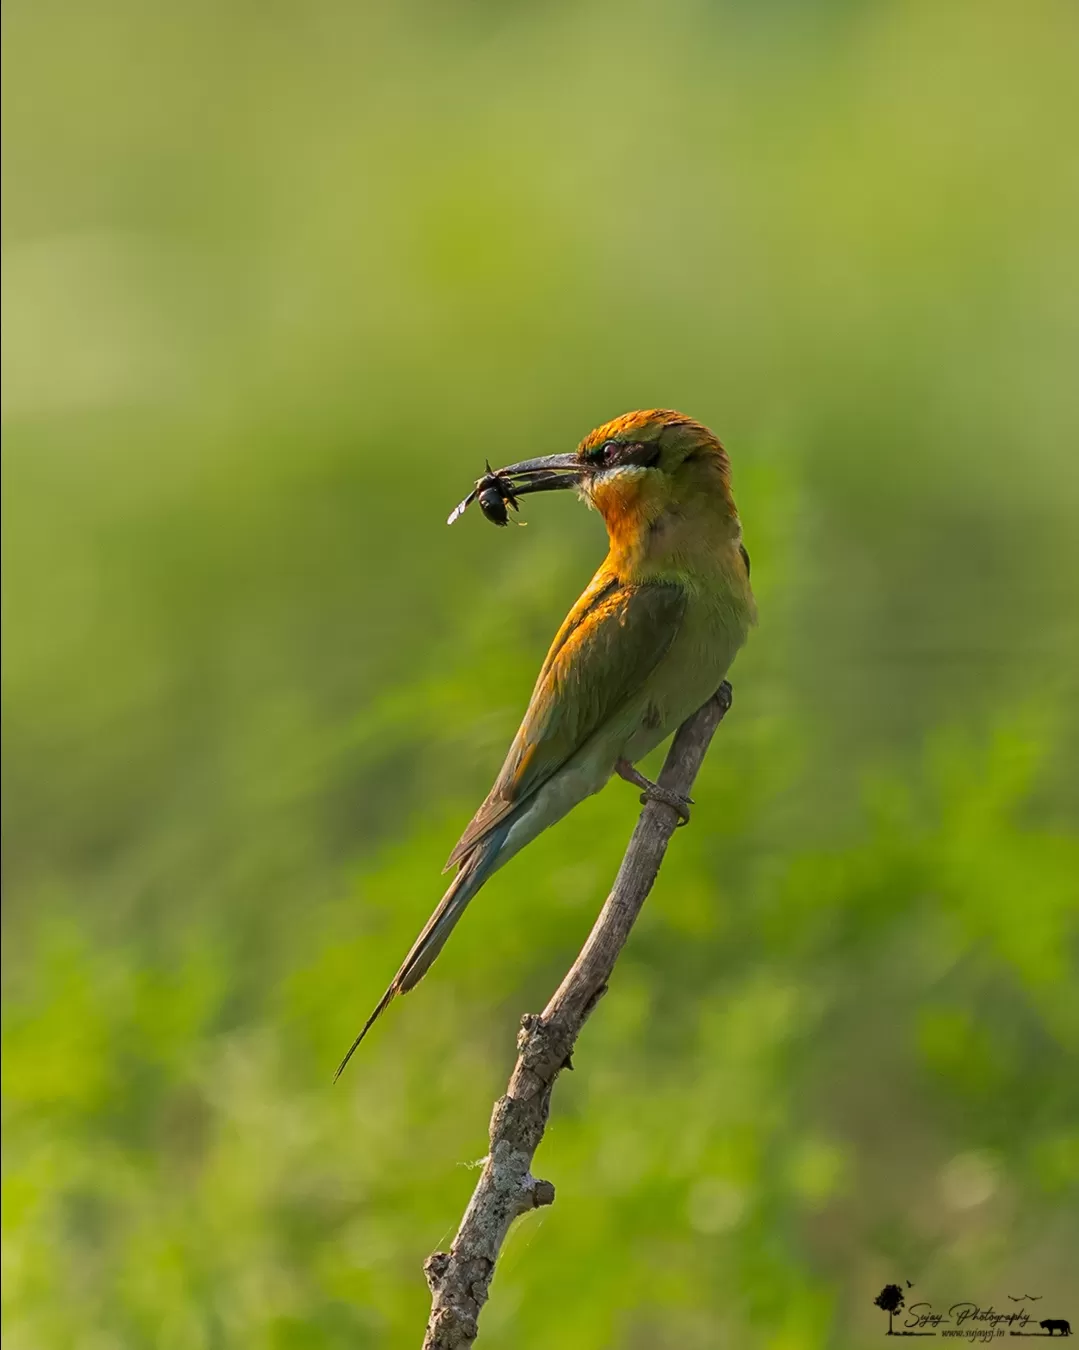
x=625, y=452
x=645, y=454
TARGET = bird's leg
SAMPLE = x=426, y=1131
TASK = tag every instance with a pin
x=652, y=792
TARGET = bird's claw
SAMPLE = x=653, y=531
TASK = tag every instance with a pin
x=655, y=793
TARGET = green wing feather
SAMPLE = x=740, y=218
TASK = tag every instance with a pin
x=611, y=641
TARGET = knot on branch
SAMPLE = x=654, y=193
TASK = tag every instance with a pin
x=530, y=1023
x=544, y=1045
x=534, y=1194
x=435, y=1268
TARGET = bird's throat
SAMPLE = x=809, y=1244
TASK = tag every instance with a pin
x=627, y=506
x=653, y=536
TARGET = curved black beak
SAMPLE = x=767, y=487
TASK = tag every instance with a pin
x=548, y=473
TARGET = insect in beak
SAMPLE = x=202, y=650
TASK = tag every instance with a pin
x=498, y=487
x=495, y=497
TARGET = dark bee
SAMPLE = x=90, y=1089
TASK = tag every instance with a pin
x=494, y=496
x=499, y=488
x=493, y=505
x=494, y=492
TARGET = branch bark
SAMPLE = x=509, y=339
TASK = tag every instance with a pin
x=461, y=1278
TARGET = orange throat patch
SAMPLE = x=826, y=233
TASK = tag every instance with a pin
x=627, y=507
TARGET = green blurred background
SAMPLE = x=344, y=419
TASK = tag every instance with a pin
x=277, y=279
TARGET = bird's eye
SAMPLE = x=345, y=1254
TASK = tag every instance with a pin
x=606, y=453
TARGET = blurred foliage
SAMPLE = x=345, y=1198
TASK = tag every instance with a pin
x=276, y=281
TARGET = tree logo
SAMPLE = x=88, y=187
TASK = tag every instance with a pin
x=890, y=1300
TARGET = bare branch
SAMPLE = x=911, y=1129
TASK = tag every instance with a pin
x=460, y=1278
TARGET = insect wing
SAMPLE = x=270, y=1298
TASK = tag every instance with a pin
x=459, y=510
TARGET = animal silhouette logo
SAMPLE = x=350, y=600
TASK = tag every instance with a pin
x=1055, y=1324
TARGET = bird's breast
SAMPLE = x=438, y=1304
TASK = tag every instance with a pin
x=709, y=637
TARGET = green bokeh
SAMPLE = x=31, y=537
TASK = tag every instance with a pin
x=276, y=281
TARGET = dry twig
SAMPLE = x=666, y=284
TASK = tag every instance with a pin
x=461, y=1278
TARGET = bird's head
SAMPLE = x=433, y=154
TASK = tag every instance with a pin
x=635, y=470
x=645, y=464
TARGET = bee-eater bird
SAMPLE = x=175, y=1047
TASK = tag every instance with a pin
x=648, y=642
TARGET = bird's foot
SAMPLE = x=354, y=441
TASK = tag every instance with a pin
x=652, y=792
